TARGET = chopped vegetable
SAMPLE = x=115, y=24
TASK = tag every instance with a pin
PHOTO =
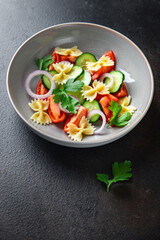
x=92, y=114
x=75, y=119
x=41, y=90
x=105, y=103
x=122, y=92
x=118, y=79
x=31, y=76
x=55, y=112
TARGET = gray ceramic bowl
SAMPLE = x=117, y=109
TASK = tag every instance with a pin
x=91, y=38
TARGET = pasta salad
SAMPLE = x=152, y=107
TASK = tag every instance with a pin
x=77, y=89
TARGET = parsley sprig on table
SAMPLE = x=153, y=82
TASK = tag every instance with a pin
x=62, y=96
x=120, y=171
x=43, y=63
x=119, y=121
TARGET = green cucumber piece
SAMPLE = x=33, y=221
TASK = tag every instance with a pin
x=76, y=72
x=83, y=58
x=46, y=81
x=77, y=95
x=118, y=80
x=86, y=78
x=92, y=106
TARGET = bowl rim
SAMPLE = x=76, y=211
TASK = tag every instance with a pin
x=101, y=141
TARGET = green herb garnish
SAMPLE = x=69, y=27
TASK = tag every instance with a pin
x=120, y=171
x=119, y=121
x=43, y=63
x=67, y=101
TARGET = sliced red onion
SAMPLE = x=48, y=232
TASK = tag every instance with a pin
x=96, y=111
x=34, y=74
x=101, y=79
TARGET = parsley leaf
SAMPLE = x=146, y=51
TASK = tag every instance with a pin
x=39, y=63
x=56, y=90
x=58, y=97
x=122, y=120
x=115, y=108
x=73, y=86
x=103, y=177
x=119, y=121
x=46, y=64
x=120, y=171
x=72, y=107
x=43, y=63
x=66, y=101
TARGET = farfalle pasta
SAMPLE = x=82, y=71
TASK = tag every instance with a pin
x=104, y=61
x=76, y=90
x=39, y=106
x=90, y=93
x=124, y=102
x=74, y=51
x=76, y=132
x=62, y=68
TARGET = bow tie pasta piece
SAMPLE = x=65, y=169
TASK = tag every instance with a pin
x=39, y=106
x=74, y=51
x=90, y=93
x=85, y=128
x=63, y=68
x=102, y=62
x=41, y=118
x=124, y=102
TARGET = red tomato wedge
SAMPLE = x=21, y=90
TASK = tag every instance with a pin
x=111, y=55
x=75, y=119
x=111, y=96
x=55, y=112
x=105, y=103
x=41, y=90
x=71, y=59
x=58, y=58
x=50, y=67
x=122, y=92
x=102, y=70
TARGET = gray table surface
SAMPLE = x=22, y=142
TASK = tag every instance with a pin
x=51, y=192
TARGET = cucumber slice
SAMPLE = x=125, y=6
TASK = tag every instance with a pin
x=86, y=78
x=77, y=95
x=83, y=58
x=46, y=81
x=118, y=80
x=76, y=72
x=91, y=106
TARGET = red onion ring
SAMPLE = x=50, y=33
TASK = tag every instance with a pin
x=101, y=79
x=96, y=111
x=34, y=74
